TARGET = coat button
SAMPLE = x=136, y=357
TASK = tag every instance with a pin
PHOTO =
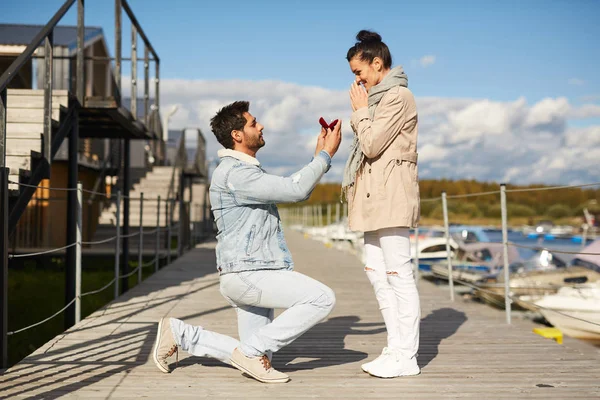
x=397, y=162
x=368, y=194
x=369, y=170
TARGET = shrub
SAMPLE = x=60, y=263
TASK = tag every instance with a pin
x=559, y=211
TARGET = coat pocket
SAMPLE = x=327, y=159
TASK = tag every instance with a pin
x=388, y=170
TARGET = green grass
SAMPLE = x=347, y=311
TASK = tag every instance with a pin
x=36, y=291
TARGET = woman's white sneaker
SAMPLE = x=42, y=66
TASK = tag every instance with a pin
x=367, y=366
x=395, y=365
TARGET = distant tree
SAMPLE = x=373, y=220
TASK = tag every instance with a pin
x=520, y=210
x=559, y=211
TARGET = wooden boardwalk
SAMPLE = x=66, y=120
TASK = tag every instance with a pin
x=467, y=350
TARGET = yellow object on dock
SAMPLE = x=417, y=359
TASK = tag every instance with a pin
x=550, y=333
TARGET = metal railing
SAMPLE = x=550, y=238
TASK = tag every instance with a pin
x=196, y=235
x=45, y=37
x=311, y=215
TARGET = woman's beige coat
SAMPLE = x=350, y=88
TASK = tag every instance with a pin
x=386, y=191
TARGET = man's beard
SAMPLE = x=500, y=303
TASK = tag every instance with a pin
x=256, y=143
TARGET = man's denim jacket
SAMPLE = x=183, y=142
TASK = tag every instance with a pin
x=243, y=198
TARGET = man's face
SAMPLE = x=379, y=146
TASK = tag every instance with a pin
x=252, y=137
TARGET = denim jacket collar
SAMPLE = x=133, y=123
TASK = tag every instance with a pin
x=238, y=155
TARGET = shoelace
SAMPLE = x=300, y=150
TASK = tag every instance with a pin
x=266, y=363
x=391, y=352
x=170, y=353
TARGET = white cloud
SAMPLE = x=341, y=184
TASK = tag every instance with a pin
x=576, y=81
x=482, y=139
x=427, y=60
x=585, y=111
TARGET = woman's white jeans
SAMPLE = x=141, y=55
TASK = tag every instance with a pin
x=389, y=268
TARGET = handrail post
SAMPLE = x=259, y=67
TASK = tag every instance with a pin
x=4, y=260
x=507, y=299
x=78, y=252
x=3, y=113
x=118, y=244
x=118, y=14
x=48, y=74
x=71, y=255
x=80, y=47
x=160, y=148
x=169, y=218
x=156, y=247
x=146, y=87
x=448, y=248
x=416, y=256
x=134, y=72
x=180, y=226
x=126, y=212
x=141, y=242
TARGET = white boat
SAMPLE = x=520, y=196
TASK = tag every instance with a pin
x=570, y=308
x=474, y=262
x=431, y=250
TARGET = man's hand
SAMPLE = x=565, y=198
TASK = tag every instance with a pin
x=321, y=141
x=358, y=96
x=333, y=138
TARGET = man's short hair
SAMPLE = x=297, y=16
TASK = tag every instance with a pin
x=228, y=119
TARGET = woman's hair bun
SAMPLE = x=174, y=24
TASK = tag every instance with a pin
x=368, y=36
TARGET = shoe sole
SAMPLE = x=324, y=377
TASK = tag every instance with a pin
x=156, y=346
x=395, y=376
x=280, y=380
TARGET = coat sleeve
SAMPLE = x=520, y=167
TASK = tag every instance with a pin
x=375, y=136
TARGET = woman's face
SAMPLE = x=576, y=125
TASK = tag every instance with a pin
x=369, y=74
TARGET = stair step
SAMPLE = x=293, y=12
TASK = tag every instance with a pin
x=28, y=115
x=23, y=129
x=30, y=101
x=13, y=178
x=17, y=162
x=18, y=147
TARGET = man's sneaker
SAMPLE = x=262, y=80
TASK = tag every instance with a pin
x=367, y=366
x=395, y=365
x=165, y=346
x=259, y=368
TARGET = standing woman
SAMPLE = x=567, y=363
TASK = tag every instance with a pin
x=382, y=187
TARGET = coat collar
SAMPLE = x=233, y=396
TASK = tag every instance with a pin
x=238, y=155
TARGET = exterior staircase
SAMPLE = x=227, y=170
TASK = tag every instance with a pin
x=25, y=127
x=155, y=183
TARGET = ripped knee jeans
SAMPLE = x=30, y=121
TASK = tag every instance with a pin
x=390, y=271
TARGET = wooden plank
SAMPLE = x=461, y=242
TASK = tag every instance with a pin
x=35, y=101
x=16, y=129
x=35, y=92
x=22, y=147
x=29, y=115
x=467, y=350
x=14, y=162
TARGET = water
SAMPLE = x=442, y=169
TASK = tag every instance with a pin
x=556, y=244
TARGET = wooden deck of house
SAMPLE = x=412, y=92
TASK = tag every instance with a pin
x=467, y=350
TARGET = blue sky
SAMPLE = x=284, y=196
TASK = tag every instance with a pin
x=482, y=48
x=537, y=59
